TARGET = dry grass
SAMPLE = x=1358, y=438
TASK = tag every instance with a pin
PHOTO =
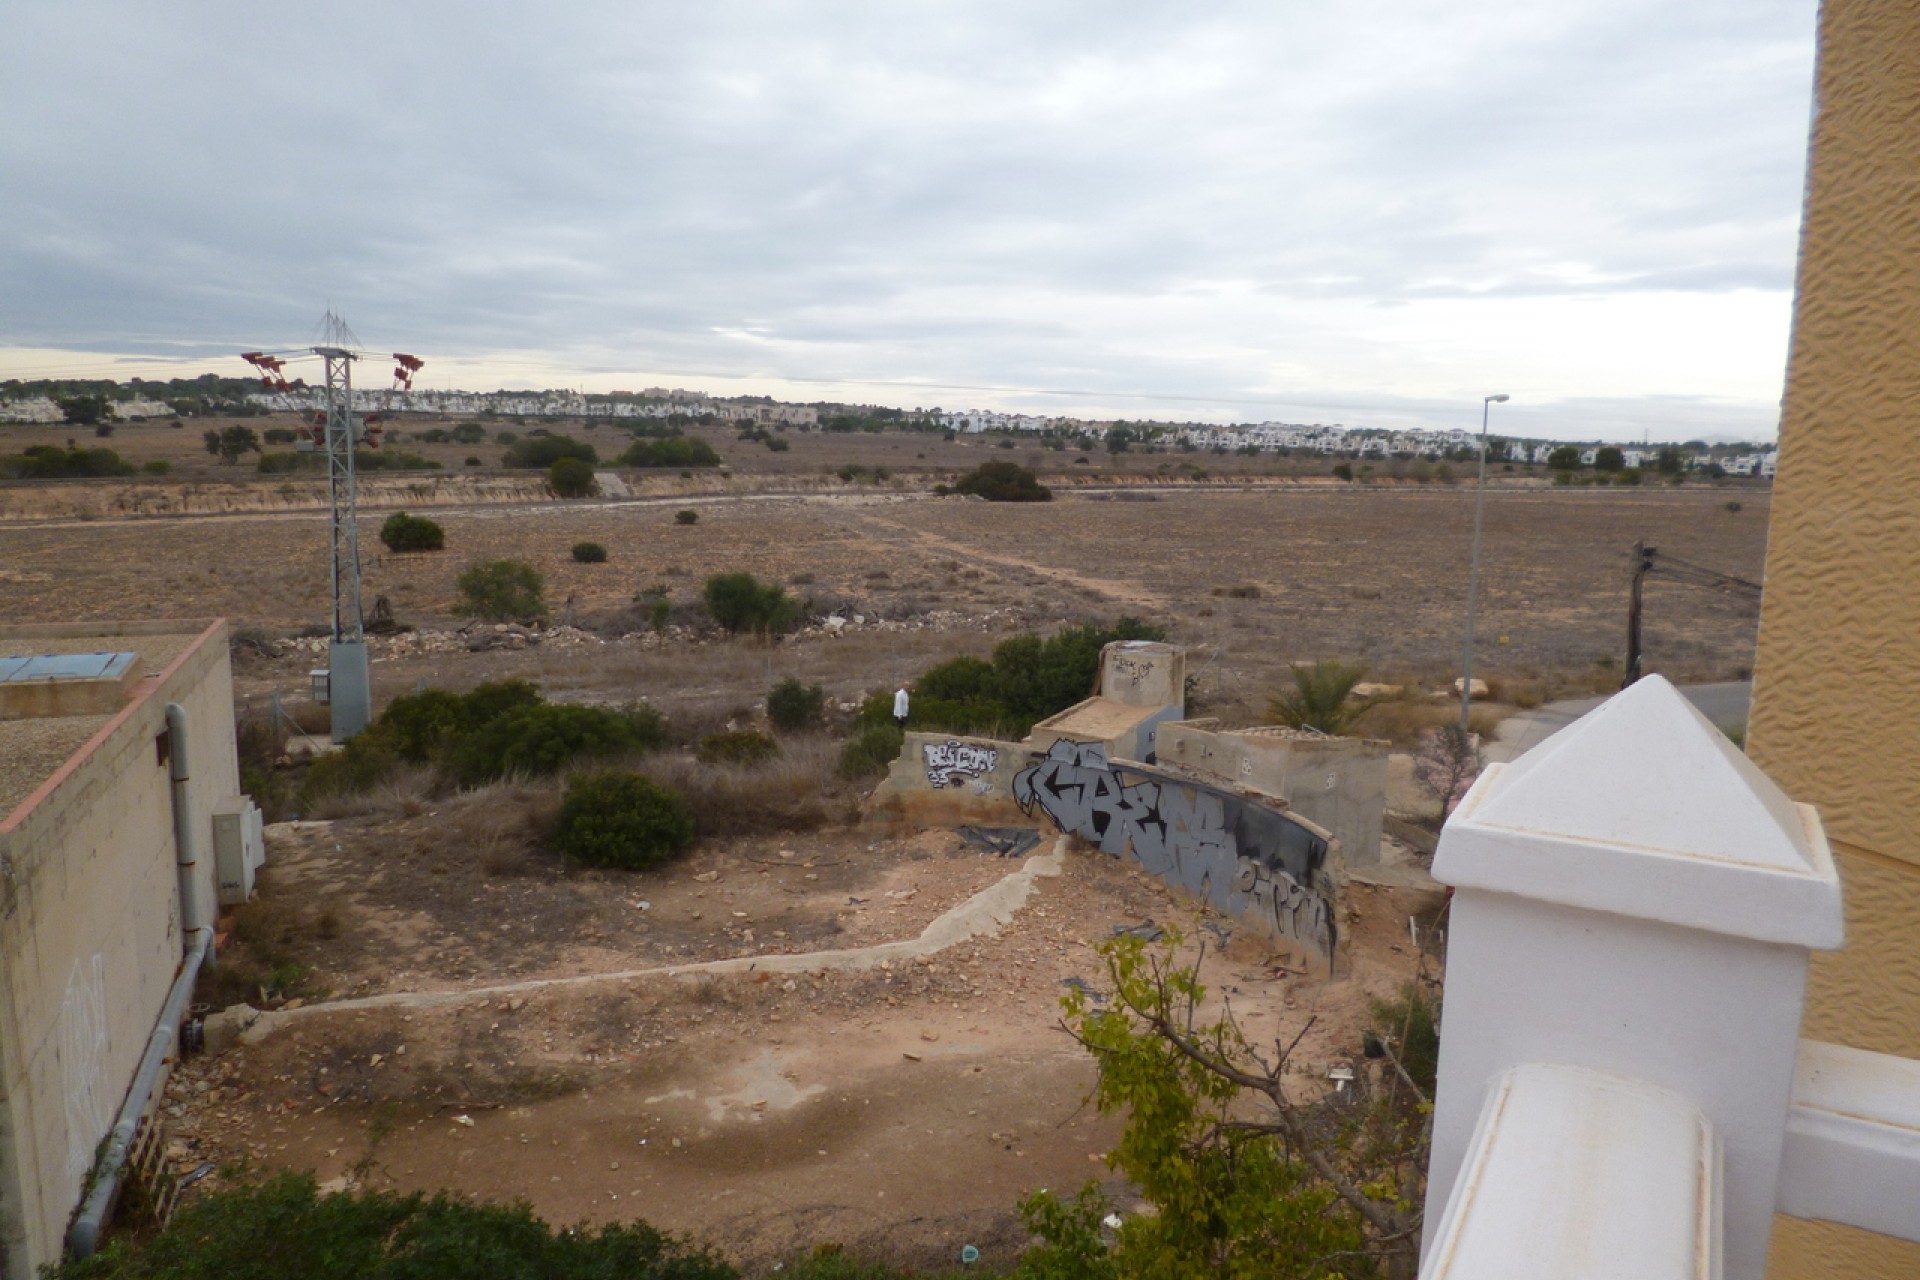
x=797, y=790
x=1402, y=720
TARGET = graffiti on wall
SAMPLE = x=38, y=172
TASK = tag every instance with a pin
x=1242, y=857
x=83, y=1052
x=1131, y=670
x=953, y=762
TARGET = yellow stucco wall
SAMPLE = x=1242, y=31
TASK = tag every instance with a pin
x=1836, y=715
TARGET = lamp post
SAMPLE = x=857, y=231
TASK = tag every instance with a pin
x=1473, y=587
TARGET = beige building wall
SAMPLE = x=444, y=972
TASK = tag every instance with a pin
x=90, y=936
x=1836, y=714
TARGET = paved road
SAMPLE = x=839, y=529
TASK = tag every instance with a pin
x=1724, y=704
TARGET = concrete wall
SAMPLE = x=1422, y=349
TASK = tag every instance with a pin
x=940, y=780
x=1836, y=711
x=1243, y=854
x=1336, y=783
x=1142, y=673
x=90, y=936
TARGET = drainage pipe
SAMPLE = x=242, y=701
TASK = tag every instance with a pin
x=84, y=1236
x=194, y=914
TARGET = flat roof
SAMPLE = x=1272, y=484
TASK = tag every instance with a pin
x=32, y=750
x=65, y=666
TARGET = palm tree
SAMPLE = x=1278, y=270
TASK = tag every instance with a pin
x=1319, y=699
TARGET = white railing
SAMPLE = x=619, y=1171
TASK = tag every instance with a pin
x=1623, y=1090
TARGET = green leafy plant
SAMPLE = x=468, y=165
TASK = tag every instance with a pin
x=871, y=750
x=1003, y=482
x=402, y=532
x=674, y=452
x=502, y=591
x=792, y=705
x=620, y=820
x=545, y=738
x=686, y=517
x=543, y=451
x=736, y=746
x=1246, y=1180
x=741, y=602
x=285, y=1227
x=571, y=477
x=589, y=553
x=1318, y=699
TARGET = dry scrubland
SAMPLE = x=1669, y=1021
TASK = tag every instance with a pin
x=901, y=1111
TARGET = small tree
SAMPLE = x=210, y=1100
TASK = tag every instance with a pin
x=621, y=820
x=402, y=532
x=1003, y=482
x=1448, y=762
x=1609, y=458
x=502, y=591
x=229, y=443
x=1247, y=1180
x=571, y=477
x=741, y=602
x=1318, y=699
x=793, y=706
x=589, y=553
x=83, y=411
x=686, y=517
x=1565, y=458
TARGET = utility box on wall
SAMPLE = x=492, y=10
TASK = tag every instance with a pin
x=239, y=848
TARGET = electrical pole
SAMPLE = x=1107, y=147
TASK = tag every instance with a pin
x=1642, y=566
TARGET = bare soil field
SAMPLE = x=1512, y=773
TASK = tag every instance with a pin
x=901, y=1110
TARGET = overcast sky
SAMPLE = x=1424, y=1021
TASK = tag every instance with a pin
x=1369, y=213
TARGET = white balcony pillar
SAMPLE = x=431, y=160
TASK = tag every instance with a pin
x=1636, y=898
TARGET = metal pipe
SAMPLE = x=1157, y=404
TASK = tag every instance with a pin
x=84, y=1236
x=1473, y=587
x=194, y=914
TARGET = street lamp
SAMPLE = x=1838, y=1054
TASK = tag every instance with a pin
x=1473, y=588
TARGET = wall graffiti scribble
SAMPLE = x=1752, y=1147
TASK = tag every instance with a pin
x=953, y=762
x=1244, y=858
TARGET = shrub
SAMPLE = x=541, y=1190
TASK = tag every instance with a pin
x=1343, y=470
x=589, y=553
x=736, y=746
x=543, y=451
x=792, y=706
x=277, y=435
x=469, y=433
x=402, y=532
x=741, y=602
x=543, y=739
x=621, y=820
x=1733, y=507
x=383, y=1235
x=571, y=477
x=417, y=725
x=871, y=750
x=47, y=462
x=473, y=461
x=1318, y=699
x=674, y=452
x=1003, y=482
x=502, y=591
x=686, y=517
x=776, y=445
x=1029, y=679
x=157, y=467
x=659, y=613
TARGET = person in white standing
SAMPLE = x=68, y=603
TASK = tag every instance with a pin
x=900, y=706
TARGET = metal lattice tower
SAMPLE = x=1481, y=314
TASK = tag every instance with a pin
x=342, y=497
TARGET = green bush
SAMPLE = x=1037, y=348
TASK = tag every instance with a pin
x=871, y=750
x=536, y=452
x=502, y=591
x=659, y=614
x=416, y=725
x=1319, y=698
x=571, y=477
x=543, y=739
x=1003, y=482
x=278, y=435
x=792, y=706
x=469, y=433
x=589, y=553
x=740, y=602
x=157, y=467
x=361, y=764
x=686, y=517
x=736, y=746
x=676, y=452
x=49, y=462
x=402, y=532
x=286, y=1228
x=620, y=820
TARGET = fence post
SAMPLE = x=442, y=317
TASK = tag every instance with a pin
x=1635, y=897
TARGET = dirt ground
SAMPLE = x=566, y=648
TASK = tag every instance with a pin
x=901, y=1111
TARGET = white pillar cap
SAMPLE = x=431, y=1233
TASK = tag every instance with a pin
x=1643, y=808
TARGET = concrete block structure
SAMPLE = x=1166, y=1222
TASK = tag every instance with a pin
x=1339, y=784
x=1143, y=685
x=95, y=906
